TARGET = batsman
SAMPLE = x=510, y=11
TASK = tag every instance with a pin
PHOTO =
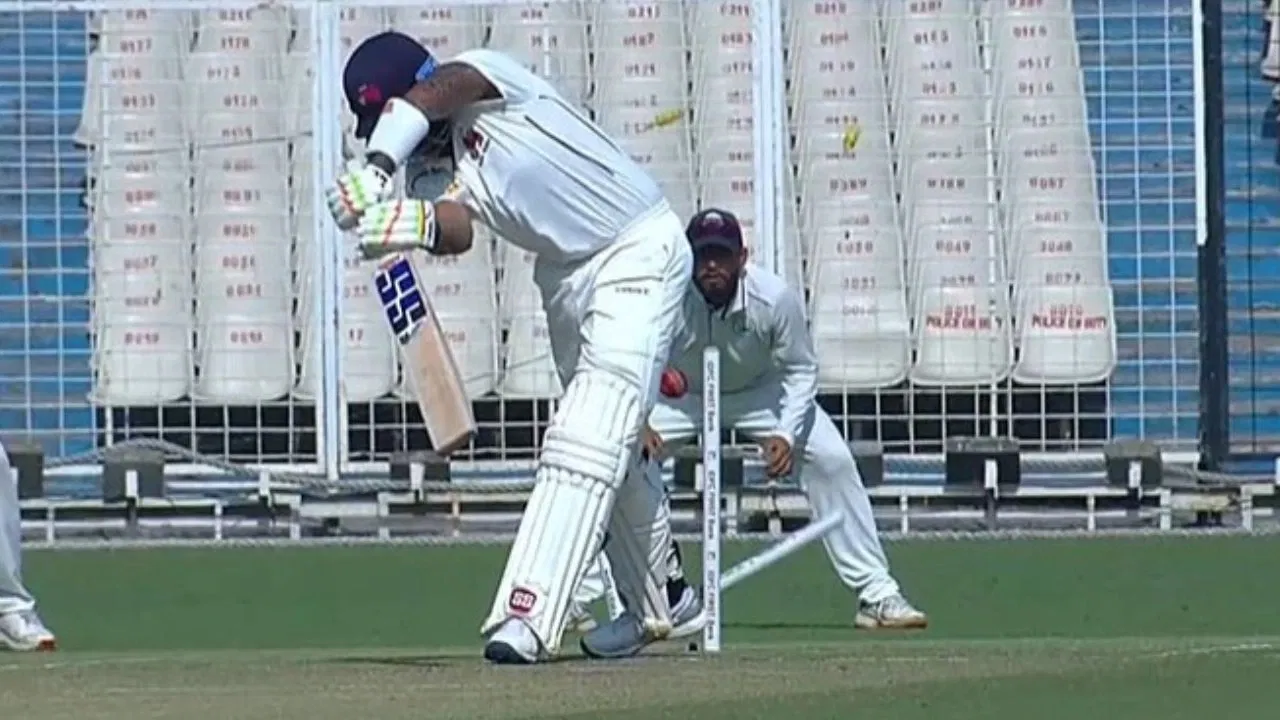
x=612, y=266
x=769, y=387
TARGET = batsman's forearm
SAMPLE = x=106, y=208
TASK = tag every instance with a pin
x=454, y=234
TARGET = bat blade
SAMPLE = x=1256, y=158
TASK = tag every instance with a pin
x=429, y=366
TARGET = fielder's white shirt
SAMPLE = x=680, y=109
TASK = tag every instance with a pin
x=538, y=171
x=763, y=338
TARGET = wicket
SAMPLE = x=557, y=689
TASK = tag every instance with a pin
x=711, y=498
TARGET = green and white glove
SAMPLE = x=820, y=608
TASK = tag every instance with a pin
x=358, y=189
x=396, y=226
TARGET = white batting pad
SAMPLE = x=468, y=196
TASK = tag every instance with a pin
x=638, y=548
x=585, y=456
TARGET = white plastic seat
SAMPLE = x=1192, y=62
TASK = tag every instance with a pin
x=231, y=129
x=354, y=25
x=1066, y=335
x=953, y=256
x=856, y=261
x=1054, y=255
x=142, y=358
x=119, y=190
x=823, y=222
x=863, y=338
x=834, y=50
x=244, y=359
x=528, y=368
x=261, y=32
x=445, y=30
x=639, y=58
x=637, y=130
x=135, y=47
x=518, y=296
x=550, y=38
x=135, y=133
x=963, y=336
x=369, y=359
x=234, y=180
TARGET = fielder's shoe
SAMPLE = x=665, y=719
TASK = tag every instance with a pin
x=891, y=613
x=24, y=632
x=580, y=620
x=687, y=617
x=513, y=643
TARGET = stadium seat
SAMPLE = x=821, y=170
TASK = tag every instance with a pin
x=445, y=30
x=550, y=38
x=1066, y=334
x=136, y=65
x=863, y=338
x=639, y=58
x=962, y=336
x=142, y=308
x=528, y=368
x=243, y=306
x=1057, y=255
x=833, y=53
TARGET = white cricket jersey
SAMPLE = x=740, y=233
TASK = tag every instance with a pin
x=763, y=338
x=539, y=172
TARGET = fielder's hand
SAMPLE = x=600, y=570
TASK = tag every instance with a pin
x=358, y=189
x=396, y=226
x=777, y=456
x=650, y=444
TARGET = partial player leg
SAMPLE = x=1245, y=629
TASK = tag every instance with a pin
x=20, y=627
x=585, y=453
x=646, y=498
x=630, y=298
x=833, y=485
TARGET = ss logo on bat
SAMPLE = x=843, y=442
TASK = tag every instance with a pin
x=402, y=302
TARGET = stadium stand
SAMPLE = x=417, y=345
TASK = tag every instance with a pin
x=936, y=252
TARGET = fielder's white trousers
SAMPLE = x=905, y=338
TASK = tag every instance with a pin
x=13, y=596
x=825, y=468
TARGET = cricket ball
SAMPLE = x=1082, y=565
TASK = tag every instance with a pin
x=674, y=384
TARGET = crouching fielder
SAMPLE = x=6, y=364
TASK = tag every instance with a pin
x=20, y=626
x=769, y=384
x=612, y=267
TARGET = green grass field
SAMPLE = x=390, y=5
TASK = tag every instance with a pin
x=1108, y=629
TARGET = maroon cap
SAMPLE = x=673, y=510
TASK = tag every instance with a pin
x=714, y=228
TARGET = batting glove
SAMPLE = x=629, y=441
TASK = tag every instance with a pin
x=396, y=226
x=358, y=189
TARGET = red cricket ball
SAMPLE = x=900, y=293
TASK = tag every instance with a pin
x=674, y=383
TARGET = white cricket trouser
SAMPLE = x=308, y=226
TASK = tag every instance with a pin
x=13, y=596
x=611, y=321
x=826, y=470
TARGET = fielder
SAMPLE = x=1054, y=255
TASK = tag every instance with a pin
x=20, y=626
x=769, y=384
x=612, y=267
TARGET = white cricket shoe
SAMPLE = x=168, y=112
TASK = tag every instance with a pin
x=580, y=619
x=891, y=613
x=513, y=643
x=24, y=632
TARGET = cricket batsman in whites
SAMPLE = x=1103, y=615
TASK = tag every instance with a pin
x=769, y=385
x=20, y=626
x=612, y=267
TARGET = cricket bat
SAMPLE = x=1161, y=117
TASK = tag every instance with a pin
x=429, y=366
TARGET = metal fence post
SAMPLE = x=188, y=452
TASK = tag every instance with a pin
x=1211, y=240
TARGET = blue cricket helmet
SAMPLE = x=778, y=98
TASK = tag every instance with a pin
x=384, y=66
